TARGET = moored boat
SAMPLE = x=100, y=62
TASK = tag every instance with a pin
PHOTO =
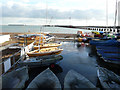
x=46, y=79
x=15, y=79
x=48, y=45
x=108, y=79
x=44, y=51
x=41, y=61
x=106, y=48
x=114, y=60
x=75, y=80
x=111, y=42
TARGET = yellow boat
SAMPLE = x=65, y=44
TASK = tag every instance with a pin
x=28, y=41
x=48, y=45
x=44, y=51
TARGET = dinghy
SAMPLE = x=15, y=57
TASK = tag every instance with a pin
x=114, y=60
x=44, y=51
x=75, y=80
x=111, y=42
x=15, y=79
x=46, y=79
x=41, y=61
x=48, y=45
x=108, y=79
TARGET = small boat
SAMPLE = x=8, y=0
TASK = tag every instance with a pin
x=111, y=42
x=48, y=45
x=44, y=51
x=46, y=79
x=108, y=79
x=106, y=48
x=115, y=51
x=41, y=61
x=114, y=60
x=15, y=79
x=75, y=80
x=104, y=54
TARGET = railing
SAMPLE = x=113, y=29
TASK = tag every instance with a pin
x=12, y=61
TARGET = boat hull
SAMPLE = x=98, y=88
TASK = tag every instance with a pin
x=75, y=80
x=46, y=79
x=43, y=54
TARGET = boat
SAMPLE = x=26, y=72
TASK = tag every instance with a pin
x=111, y=42
x=46, y=79
x=15, y=79
x=108, y=79
x=75, y=80
x=108, y=47
x=41, y=61
x=113, y=60
x=47, y=45
x=109, y=51
x=44, y=51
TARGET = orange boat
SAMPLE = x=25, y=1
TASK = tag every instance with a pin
x=48, y=45
x=44, y=51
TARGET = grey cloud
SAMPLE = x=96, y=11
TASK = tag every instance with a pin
x=18, y=11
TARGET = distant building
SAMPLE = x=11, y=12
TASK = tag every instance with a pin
x=119, y=13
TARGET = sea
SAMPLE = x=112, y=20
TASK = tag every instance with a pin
x=37, y=28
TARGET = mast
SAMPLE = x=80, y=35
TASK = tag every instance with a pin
x=107, y=13
x=115, y=14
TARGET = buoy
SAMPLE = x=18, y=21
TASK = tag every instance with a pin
x=82, y=44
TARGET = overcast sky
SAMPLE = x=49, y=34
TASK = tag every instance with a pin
x=58, y=12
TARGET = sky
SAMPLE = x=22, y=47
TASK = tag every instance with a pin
x=57, y=12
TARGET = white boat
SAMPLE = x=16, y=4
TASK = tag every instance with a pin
x=108, y=79
x=46, y=79
x=41, y=61
x=74, y=80
x=15, y=79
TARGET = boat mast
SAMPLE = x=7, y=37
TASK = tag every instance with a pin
x=106, y=13
x=115, y=14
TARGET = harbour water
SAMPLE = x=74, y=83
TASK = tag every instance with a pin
x=36, y=28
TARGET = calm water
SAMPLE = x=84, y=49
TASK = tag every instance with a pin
x=31, y=28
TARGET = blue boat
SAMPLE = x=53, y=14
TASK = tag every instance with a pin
x=108, y=54
x=111, y=60
x=109, y=51
x=108, y=47
x=111, y=42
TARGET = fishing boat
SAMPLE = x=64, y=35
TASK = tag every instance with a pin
x=15, y=79
x=111, y=42
x=41, y=61
x=47, y=45
x=108, y=79
x=75, y=80
x=44, y=51
x=46, y=79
